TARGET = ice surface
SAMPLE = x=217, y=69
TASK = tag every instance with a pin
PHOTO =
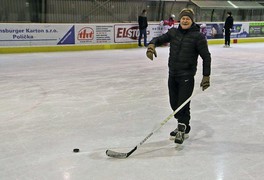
x=51, y=103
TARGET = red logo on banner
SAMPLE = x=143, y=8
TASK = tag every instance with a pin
x=86, y=33
x=131, y=33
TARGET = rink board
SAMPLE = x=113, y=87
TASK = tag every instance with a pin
x=8, y=50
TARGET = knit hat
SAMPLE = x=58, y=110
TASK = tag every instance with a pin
x=187, y=12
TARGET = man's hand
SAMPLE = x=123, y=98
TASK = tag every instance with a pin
x=151, y=50
x=205, y=82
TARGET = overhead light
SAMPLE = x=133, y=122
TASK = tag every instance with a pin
x=232, y=4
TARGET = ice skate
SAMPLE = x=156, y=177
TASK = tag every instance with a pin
x=180, y=135
x=174, y=132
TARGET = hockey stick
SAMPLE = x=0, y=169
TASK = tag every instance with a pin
x=121, y=155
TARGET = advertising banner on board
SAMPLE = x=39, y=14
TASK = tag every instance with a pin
x=33, y=34
x=256, y=29
x=94, y=34
x=125, y=33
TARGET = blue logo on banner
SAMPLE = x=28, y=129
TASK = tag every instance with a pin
x=69, y=37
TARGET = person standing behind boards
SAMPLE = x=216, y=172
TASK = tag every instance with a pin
x=227, y=28
x=143, y=24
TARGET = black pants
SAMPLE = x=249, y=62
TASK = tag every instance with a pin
x=227, y=36
x=180, y=89
x=142, y=32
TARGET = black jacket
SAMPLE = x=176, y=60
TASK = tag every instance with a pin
x=229, y=22
x=185, y=47
x=142, y=22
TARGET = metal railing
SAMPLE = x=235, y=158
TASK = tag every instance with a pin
x=109, y=11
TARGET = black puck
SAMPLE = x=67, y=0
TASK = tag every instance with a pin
x=76, y=150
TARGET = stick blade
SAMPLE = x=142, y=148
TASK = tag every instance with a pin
x=114, y=154
x=119, y=155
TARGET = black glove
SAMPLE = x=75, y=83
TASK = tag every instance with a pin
x=205, y=82
x=151, y=50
